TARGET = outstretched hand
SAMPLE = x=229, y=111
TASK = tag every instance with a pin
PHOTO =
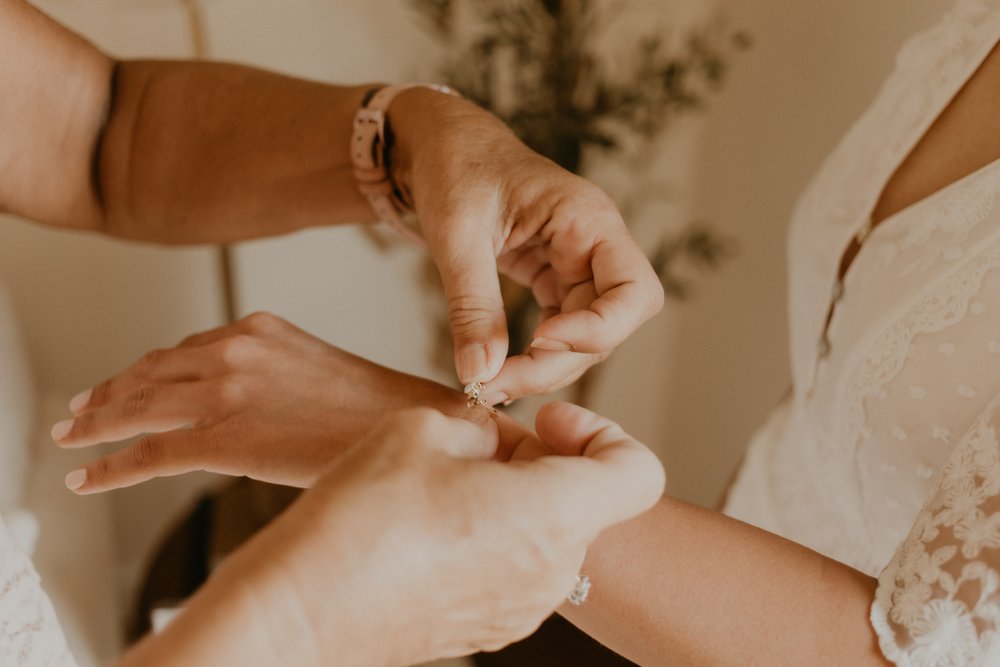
x=260, y=398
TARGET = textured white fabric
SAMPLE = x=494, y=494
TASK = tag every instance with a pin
x=30, y=635
x=886, y=456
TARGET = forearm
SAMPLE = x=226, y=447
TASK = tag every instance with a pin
x=224, y=624
x=258, y=609
x=198, y=151
x=681, y=585
x=175, y=152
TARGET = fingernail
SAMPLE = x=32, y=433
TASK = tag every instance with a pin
x=76, y=479
x=80, y=401
x=62, y=429
x=471, y=362
x=552, y=345
x=494, y=397
x=509, y=402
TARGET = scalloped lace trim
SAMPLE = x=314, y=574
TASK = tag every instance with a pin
x=938, y=601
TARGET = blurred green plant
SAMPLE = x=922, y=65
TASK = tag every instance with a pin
x=540, y=66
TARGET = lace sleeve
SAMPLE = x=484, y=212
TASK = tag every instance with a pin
x=938, y=600
x=30, y=635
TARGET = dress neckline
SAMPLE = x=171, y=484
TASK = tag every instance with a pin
x=870, y=228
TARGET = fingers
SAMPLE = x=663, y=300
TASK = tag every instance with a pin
x=547, y=365
x=146, y=409
x=163, y=455
x=188, y=361
x=467, y=263
x=517, y=441
x=628, y=292
x=537, y=372
x=158, y=366
x=602, y=475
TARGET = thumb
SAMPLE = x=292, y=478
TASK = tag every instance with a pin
x=605, y=475
x=467, y=263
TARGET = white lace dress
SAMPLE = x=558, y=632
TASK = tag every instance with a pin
x=30, y=635
x=886, y=455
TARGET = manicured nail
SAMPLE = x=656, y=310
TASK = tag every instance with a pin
x=76, y=479
x=552, y=345
x=62, y=429
x=494, y=397
x=509, y=402
x=471, y=363
x=80, y=401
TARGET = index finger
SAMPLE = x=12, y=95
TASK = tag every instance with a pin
x=538, y=372
x=628, y=291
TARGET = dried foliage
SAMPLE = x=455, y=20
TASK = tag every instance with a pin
x=535, y=63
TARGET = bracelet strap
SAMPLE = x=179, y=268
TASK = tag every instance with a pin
x=371, y=143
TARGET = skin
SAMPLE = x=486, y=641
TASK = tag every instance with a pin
x=377, y=567
x=213, y=381
x=685, y=564
x=303, y=402
x=768, y=601
x=194, y=152
x=191, y=152
x=733, y=594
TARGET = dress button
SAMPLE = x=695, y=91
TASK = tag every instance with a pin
x=823, y=347
x=838, y=291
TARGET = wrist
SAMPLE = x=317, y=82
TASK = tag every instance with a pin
x=421, y=117
x=297, y=618
x=408, y=120
x=418, y=392
x=235, y=618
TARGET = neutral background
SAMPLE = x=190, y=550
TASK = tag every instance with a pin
x=693, y=383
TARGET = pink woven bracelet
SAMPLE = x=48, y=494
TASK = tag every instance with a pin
x=371, y=160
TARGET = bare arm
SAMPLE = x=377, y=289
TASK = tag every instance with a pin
x=682, y=585
x=189, y=152
x=53, y=96
x=166, y=151
x=366, y=569
x=197, y=151
x=253, y=610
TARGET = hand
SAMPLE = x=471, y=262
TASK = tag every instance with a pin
x=485, y=202
x=413, y=546
x=262, y=398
